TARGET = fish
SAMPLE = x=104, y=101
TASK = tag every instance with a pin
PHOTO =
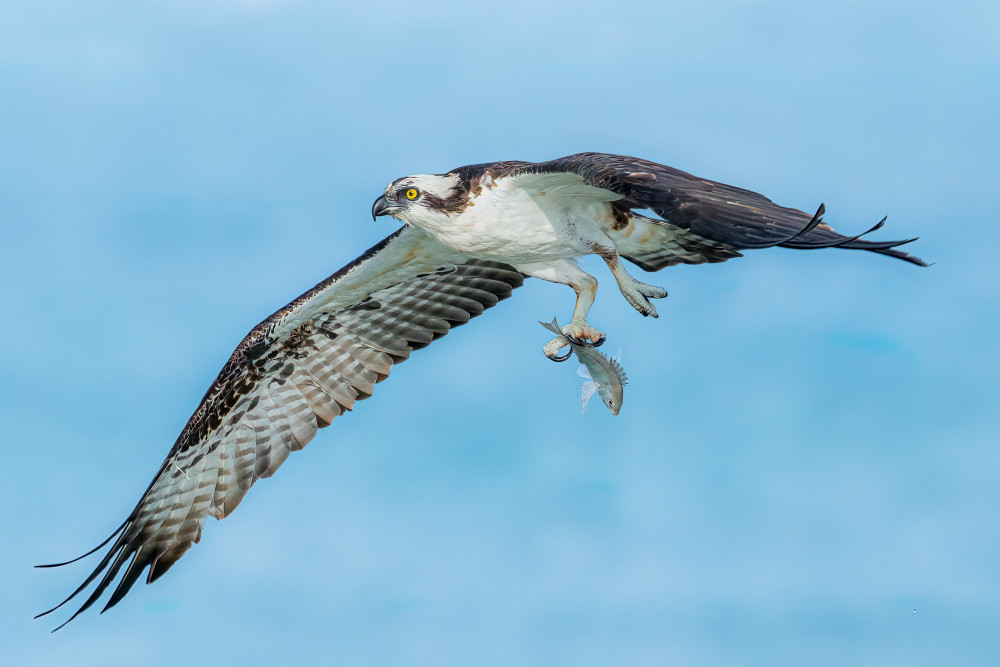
x=605, y=375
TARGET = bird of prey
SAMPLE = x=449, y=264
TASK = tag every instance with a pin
x=470, y=237
x=540, y=217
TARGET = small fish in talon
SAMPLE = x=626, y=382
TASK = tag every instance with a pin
x=605, y=375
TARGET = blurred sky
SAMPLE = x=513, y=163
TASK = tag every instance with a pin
x=807, y=452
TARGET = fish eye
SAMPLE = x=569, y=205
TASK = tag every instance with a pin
x=412, y=193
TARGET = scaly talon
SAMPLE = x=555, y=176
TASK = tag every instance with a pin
x=639, y=294
x=651, y=291
x=552, y=348
x=580, y=333
x=596, y=340
x=563, y=357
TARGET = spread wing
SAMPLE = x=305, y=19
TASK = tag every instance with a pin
x=293, y=374
x=700, y=220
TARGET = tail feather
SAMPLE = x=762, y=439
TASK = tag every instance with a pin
x=898, y=254
x=834, y=243
x=817, y=234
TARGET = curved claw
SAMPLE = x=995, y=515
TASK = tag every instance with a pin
x=563, y=357
x=585, y=342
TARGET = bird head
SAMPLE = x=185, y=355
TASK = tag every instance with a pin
x=420, y=200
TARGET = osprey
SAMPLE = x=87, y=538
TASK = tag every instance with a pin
x=471, y=237
x=540, y=217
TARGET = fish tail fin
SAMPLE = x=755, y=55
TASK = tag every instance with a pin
x=552, y=326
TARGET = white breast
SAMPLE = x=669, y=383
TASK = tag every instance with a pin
x=528, y=219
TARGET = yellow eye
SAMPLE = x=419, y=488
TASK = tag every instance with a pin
x=412, y=193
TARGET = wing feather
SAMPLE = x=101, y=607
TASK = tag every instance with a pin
x=295, y=373
x=706, y=220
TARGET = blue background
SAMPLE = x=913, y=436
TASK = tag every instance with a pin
x=805, y=468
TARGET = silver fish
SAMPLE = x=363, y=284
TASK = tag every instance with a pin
x=605, y=375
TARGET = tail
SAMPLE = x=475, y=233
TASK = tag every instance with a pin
x=552, y=326
x=817, y=234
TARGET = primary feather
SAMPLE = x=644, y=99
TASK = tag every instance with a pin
x=473, y=235
x=293, y=374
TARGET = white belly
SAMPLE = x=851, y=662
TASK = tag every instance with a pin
x=514, y=225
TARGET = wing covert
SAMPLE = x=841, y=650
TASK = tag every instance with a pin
x=293, y=374
x=713, y=214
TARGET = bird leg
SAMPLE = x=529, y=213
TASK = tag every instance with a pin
x=635, y=292
x=578, y=330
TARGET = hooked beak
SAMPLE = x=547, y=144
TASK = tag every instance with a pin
x=382, y=207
